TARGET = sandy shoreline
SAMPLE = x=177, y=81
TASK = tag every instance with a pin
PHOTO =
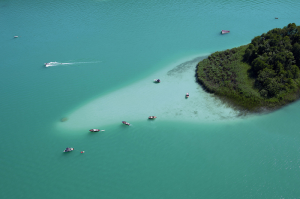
x=165, y=100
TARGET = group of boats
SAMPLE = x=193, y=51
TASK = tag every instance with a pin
x=123, y=122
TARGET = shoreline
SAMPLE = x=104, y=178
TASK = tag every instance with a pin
x=165, y=100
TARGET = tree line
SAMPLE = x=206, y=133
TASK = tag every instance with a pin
x=263, y=73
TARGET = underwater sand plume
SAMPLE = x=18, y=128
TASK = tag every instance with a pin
x=64, y=119
x=109, y=109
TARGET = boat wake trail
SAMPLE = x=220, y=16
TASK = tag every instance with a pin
x=50, y=64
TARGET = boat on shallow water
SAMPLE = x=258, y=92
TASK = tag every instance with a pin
x=225, y=31
x=187, y=95
x=156, y=80
x=68, y=149
x=94, y=130
x=152, y=117
x=126, y=123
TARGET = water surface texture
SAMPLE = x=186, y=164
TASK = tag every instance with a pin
x=104, y=56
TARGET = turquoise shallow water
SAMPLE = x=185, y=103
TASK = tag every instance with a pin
x=107, y=48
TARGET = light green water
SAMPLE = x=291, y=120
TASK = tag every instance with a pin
x=111, y=51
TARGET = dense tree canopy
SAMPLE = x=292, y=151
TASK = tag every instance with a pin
x=275, y=60
x=262, y=73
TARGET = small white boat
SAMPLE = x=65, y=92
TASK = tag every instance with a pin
x=51, y=64
x=225, y=31
x=157, y=80
x=95, y=130
x=16, y=36
x=187, y=95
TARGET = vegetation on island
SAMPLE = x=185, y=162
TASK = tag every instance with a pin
x=262, y=74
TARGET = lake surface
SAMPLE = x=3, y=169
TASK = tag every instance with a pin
x=106, y=55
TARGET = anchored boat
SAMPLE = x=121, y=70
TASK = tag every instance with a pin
x=187, y=95
x=94, y=130
x=225, y=31
x=68, y=149
x=126, y=123
x=157, y=80
x=152, y=117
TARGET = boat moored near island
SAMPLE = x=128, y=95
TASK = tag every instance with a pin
x=152, y=117
x=68, y=149
x=225, y=31
x=156, y=80
x=126, y=123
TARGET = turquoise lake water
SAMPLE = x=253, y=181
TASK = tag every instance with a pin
x=107, y=54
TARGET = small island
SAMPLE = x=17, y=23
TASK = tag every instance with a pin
x=261, y=75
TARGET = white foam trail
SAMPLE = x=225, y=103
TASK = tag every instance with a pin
x=49, y=64
x=87, y=62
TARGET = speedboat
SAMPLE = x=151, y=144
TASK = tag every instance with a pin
x=152, y=117
x=51, y=64
x=94, y=130
x=225, y=31
x=68, y=149
x=157, y=80
x=187, y=95
x=126, y=123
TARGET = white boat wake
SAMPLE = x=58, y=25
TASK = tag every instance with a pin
x=50, y=64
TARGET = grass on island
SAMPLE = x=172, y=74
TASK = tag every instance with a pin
x=262, y=74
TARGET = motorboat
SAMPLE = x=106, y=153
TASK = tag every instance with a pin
x=225, y=31
x=68, y=149
x=157, y=80
x=16, y=36
x=126, y=123
x=51, y=64
x=152, y=117
x=94, y=130
x=187, y=95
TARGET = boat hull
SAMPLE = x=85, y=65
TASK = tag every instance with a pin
x=225, y=31
x=126, y=123
x=94, y=130
x=68, y=150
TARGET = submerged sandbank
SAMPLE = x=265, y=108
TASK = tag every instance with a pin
x=166, y=100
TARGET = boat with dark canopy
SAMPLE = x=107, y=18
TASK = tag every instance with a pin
x=68, y=149
x=157, y=80
x=126, y=123
x=152, y=117
x=94, y=130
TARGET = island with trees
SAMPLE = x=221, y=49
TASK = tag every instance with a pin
x=261, y=75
